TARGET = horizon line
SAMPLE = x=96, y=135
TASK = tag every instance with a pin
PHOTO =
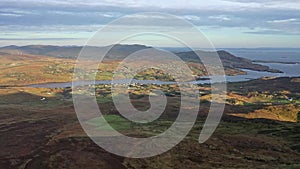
x=262, y=47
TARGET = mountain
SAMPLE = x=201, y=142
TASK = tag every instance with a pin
x=116, y=52
x=119, y=52
x=228, y=60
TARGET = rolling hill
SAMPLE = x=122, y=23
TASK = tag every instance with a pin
x=119, y=52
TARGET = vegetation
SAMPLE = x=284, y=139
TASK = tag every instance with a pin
x=259, y=129
x=288, y=112
x=114, y=121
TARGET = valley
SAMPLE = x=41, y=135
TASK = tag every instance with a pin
x=39, y=127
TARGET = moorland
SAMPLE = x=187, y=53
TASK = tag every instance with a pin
x=39, y=128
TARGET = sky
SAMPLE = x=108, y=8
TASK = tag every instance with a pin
x=226, y=23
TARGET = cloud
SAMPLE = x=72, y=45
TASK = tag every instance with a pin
x=62, y=14
x=271, y=32
x=191, y=17
x=37, y=39
x=283, y=20
x=255, y=17
x=10, y=14
x=236, y=13
x=171, y=4
x=9, y=29
x=220, y=17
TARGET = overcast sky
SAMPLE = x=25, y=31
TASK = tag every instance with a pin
x=226, y=23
